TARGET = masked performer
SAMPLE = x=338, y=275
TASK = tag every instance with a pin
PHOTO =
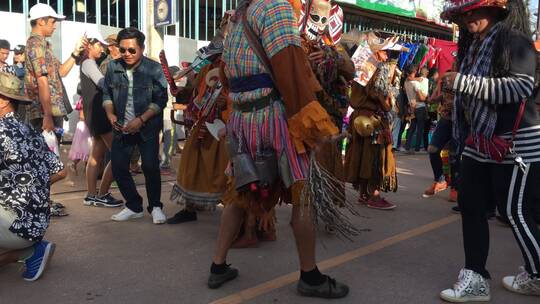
x=270, y=135
x=496, y=123
x=321, y=24
x=201, y=179
x=369, y=160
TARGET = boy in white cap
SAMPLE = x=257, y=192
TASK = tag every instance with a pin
x=43, y=83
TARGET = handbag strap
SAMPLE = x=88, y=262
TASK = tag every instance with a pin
x=519, y=117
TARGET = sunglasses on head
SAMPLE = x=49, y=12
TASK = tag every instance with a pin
x=130, y=50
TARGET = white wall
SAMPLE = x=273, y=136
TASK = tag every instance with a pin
x=180, y=49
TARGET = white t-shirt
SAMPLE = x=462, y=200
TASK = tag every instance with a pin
x=410, y=88
x=130, y=107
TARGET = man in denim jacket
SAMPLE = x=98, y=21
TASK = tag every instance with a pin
x=134, y=98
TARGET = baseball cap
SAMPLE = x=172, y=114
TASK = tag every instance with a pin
x=42, y=10
x=19, y=49
x=111, y=39
x=93, y=33
x=12, y=88
x=4, y=44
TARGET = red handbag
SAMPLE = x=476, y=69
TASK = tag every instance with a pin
x=496, y=147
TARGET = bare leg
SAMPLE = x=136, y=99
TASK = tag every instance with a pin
x=107, y=178
x=96, y=158
x=14, y=256
x=249, y=237
x=230, y=223
x=304, y=233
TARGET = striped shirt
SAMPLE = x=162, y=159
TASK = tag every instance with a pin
x=496, y=91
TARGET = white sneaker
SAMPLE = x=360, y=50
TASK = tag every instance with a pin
x=522, y=283
x=470, y=287
x=158, y=217
x=126, y=214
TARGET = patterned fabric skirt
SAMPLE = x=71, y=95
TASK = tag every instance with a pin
x=201, y=179
x=266, y=129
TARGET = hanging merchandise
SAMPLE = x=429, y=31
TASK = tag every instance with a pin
x=404, y=56
x=447, y=56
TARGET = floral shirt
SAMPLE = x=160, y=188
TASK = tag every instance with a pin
x=40, y=61
x=26, y=164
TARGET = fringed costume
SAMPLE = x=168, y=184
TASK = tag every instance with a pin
x=369, y=160
x=276, y=121
x=201, y=179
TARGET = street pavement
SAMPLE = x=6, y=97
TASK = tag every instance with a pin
x=409, y=255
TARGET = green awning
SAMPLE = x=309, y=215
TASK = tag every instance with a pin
x=386, y=6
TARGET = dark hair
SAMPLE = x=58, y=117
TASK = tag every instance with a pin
x=411, y=69
x=432, y=72
x=33, y=23
x=130, y=33
x=514, y=22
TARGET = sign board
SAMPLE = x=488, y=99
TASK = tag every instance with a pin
x=163, y=13
x=365, y=64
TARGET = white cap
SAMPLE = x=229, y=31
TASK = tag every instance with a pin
x=42, y=10
x=93, y=33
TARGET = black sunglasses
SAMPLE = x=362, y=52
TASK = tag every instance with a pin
x=316, y=18
x=131, y=50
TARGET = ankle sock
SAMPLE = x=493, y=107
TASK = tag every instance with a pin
x=313, y=277
x=219, y=268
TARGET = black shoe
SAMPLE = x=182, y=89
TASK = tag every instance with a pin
x=456, y=209
x=330, y=289
x=216, y=280
x=107, y=200
x=182, y=217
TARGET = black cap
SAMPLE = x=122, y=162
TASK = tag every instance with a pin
x=19, y=49
x=4, y=44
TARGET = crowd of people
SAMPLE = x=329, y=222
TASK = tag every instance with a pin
x=266, y=104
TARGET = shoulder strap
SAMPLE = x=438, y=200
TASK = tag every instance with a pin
x=255, y=44
x=519, y=117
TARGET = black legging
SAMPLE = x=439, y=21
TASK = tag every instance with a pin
x=515, y=193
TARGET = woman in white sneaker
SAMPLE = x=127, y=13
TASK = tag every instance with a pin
x=493, y=109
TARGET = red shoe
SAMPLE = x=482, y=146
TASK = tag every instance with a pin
x=453, y=196
x=380, y=204
x=435, y=188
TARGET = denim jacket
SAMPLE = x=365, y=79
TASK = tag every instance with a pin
x=149, y=92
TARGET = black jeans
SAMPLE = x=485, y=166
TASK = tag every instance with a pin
x=417, y=128
x=121, y=151
x=441, y=137
x=515, y=193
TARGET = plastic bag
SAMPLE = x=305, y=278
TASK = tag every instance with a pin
x=52, y=143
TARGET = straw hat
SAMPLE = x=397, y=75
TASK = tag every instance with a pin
x=12, y=88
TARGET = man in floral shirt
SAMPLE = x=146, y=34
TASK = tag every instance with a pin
x=44, y=71
x=27, y=170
